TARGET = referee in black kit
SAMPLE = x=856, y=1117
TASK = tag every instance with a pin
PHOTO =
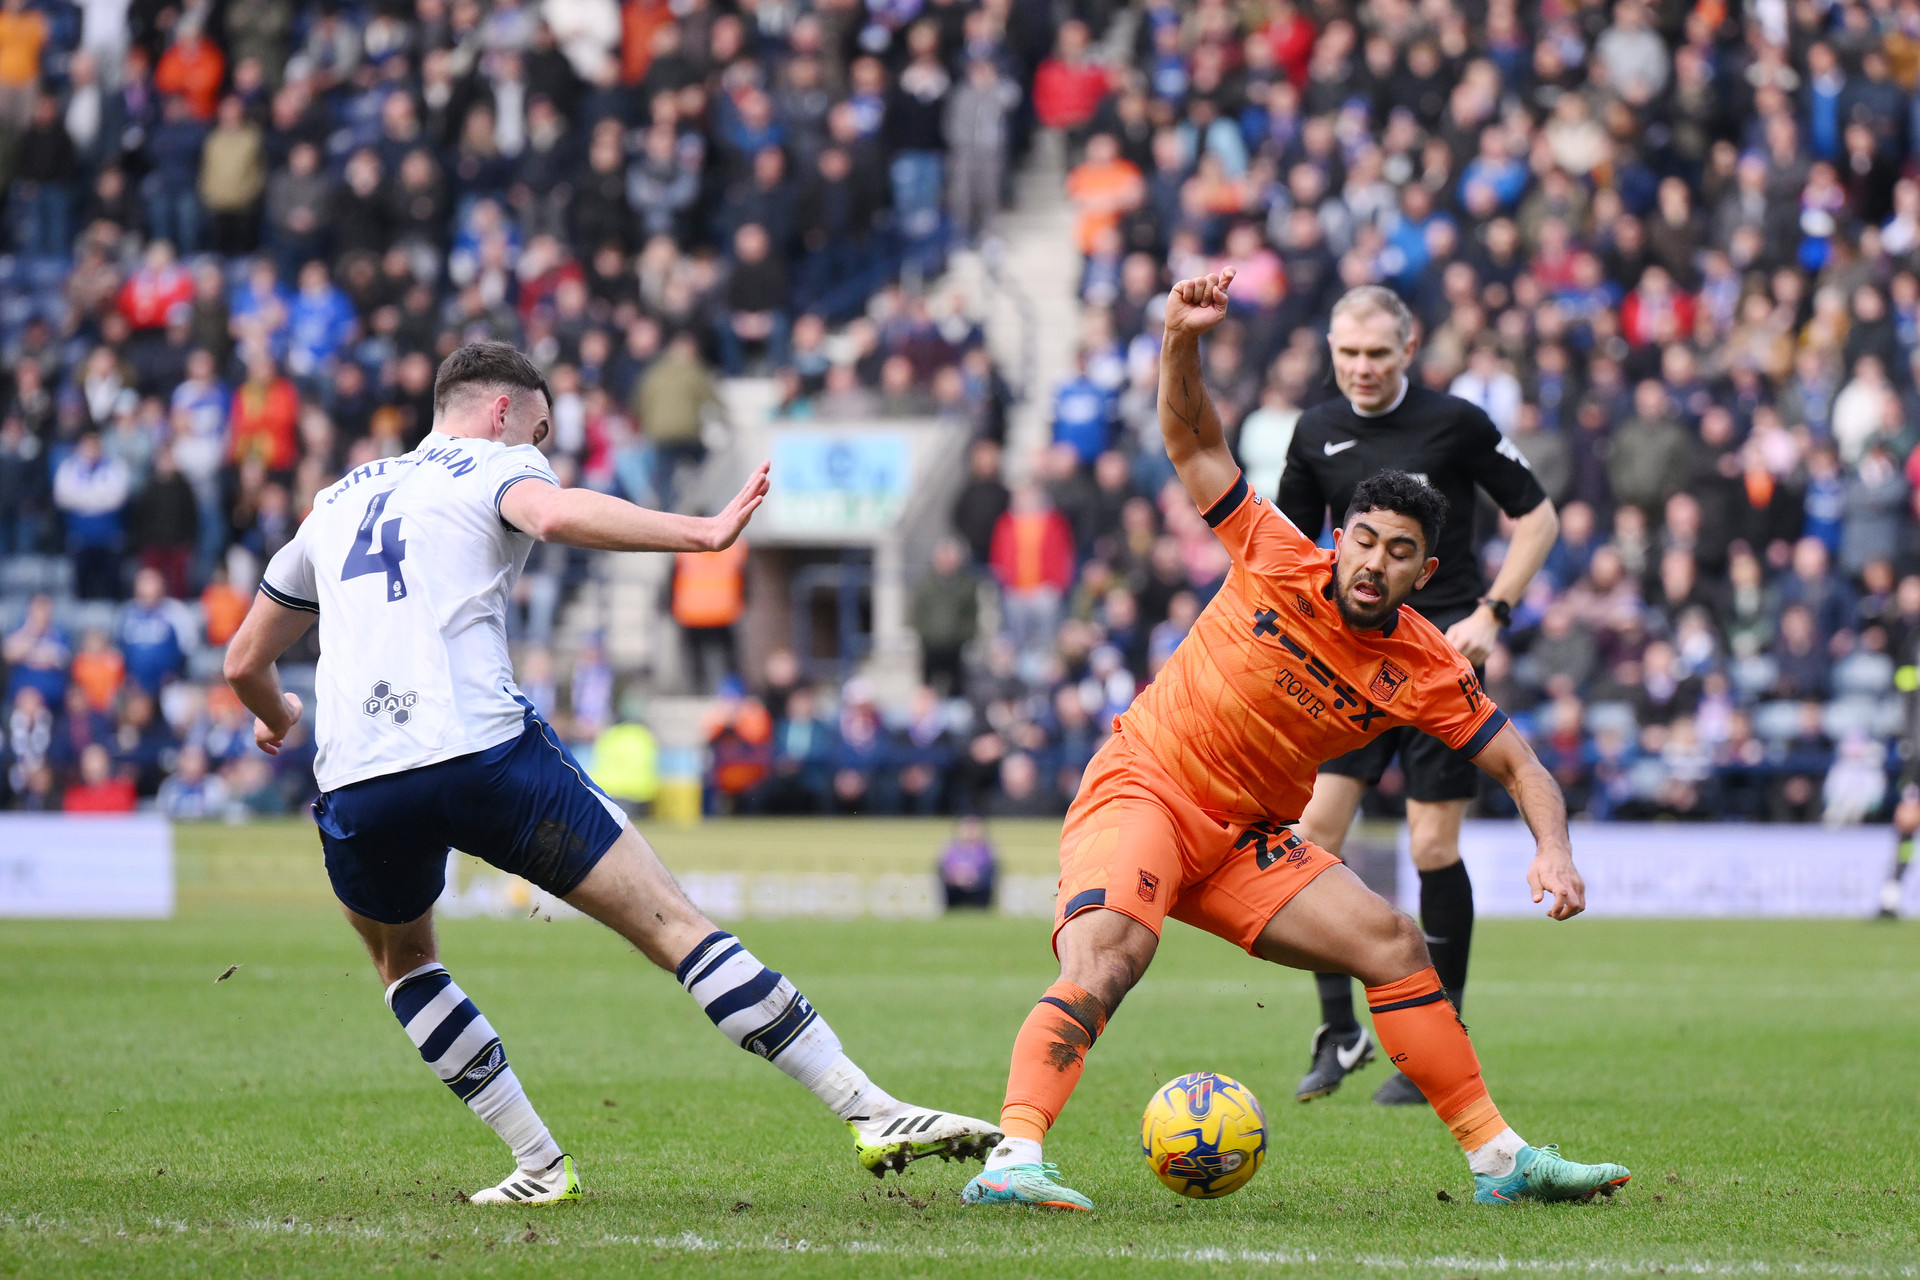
x=1382, y=420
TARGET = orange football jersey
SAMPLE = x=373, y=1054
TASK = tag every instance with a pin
x=1271, y=681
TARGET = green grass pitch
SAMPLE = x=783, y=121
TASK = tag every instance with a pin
x=1758, y=1078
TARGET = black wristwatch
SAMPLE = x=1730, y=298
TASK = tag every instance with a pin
x=1502, y=611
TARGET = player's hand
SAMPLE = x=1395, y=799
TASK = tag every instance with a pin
x=726, y=526
x=1554, y=873
x=267, y=738
x=1195, y=306
x=1475, y=635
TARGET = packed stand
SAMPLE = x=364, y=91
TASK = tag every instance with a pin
x=239, y=238
x=1673, y=252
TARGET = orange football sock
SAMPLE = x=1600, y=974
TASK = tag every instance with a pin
x=1422, y=1035
x=1048, y=1055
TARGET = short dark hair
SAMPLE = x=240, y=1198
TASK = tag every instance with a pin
x=1405, y=495
x=487, y=364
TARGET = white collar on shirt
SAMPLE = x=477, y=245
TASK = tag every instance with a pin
x=1405, y=382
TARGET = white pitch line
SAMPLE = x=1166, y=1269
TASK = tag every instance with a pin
x=1212, y=1256
x=1193, y=1255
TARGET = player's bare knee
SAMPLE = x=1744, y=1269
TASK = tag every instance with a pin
x=1108, y=973
x=1406, y=949
x=1390, y=946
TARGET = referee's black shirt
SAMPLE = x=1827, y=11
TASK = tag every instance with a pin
x=1446, y=441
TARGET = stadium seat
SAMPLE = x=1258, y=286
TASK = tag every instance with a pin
x=1615, y=716
x=1845, y=717
x=1753, y=676
x=1776, y=721
x=1865, y=675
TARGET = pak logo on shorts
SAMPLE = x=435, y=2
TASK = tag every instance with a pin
x=1387, y=681
x=1149, y=886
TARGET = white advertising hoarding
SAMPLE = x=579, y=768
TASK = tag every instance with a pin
x=1684, y=869
x=85, y=867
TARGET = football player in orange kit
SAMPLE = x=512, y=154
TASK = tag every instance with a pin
x=1185, y=811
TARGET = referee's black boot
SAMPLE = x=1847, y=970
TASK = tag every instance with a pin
x=1335, y=1057
x=1398, y=1091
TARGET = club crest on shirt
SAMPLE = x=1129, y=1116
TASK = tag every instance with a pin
x=1149, y=886
x=1387, y=681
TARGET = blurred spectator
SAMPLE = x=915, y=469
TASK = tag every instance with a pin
x=975, y=125
x=626, y=765
x=946, y=615
x=91, y=488
x=38, y=654
x=152, y=638
x=982, y=500
x=739, y=737
x=1068, y=87
x=1032, y=558
x=163, y=523
x=672, y=401
x=192, y=792
x=968, y=867
x=709, y=595
x=99, y=789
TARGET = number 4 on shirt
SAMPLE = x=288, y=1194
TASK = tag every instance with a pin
x=362, y=560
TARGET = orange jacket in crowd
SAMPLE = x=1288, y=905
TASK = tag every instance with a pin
x=1033, y=549
x=225, y=609
x=265, y=422
x=99, y=675
x=1102, y=192
x=194, y=68
x=710, y=587
x=22, y=36
x=639, y=19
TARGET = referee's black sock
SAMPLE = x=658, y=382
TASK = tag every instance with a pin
x=1336, y=1003
x=1446, y=913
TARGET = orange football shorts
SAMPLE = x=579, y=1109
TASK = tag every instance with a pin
x=1136, y=843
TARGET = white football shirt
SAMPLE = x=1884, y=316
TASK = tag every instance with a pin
x=409, y=563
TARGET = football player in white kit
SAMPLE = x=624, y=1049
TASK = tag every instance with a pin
x=425, y=744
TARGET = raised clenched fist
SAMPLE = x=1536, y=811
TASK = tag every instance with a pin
x=1195, y=306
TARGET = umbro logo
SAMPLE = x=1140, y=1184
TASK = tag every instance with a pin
x=1330, y=447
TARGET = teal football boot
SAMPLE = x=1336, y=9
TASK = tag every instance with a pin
x=1035, y=1184
x=1542, y=1173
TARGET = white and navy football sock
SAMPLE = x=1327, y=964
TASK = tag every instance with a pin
x=763, y=1013
x=459, y=1044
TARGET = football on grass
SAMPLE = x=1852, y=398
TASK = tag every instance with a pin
x=1204, y=1135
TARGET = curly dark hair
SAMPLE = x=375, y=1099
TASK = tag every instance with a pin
x=486, y=365
x=1404, y=494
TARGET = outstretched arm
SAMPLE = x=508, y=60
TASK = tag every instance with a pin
x=267, y=631
x=1191, y=429
x=1509, y=761
x=601, y=522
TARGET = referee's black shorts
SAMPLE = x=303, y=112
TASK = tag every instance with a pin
x=1434, y=770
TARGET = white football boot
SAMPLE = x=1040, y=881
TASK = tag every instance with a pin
x=905, y=1133
x=553, y=1184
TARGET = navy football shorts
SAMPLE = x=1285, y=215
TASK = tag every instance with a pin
x=524, y=806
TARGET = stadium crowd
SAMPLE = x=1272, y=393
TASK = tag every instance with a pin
x=239, y=237
x=1673, y=250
